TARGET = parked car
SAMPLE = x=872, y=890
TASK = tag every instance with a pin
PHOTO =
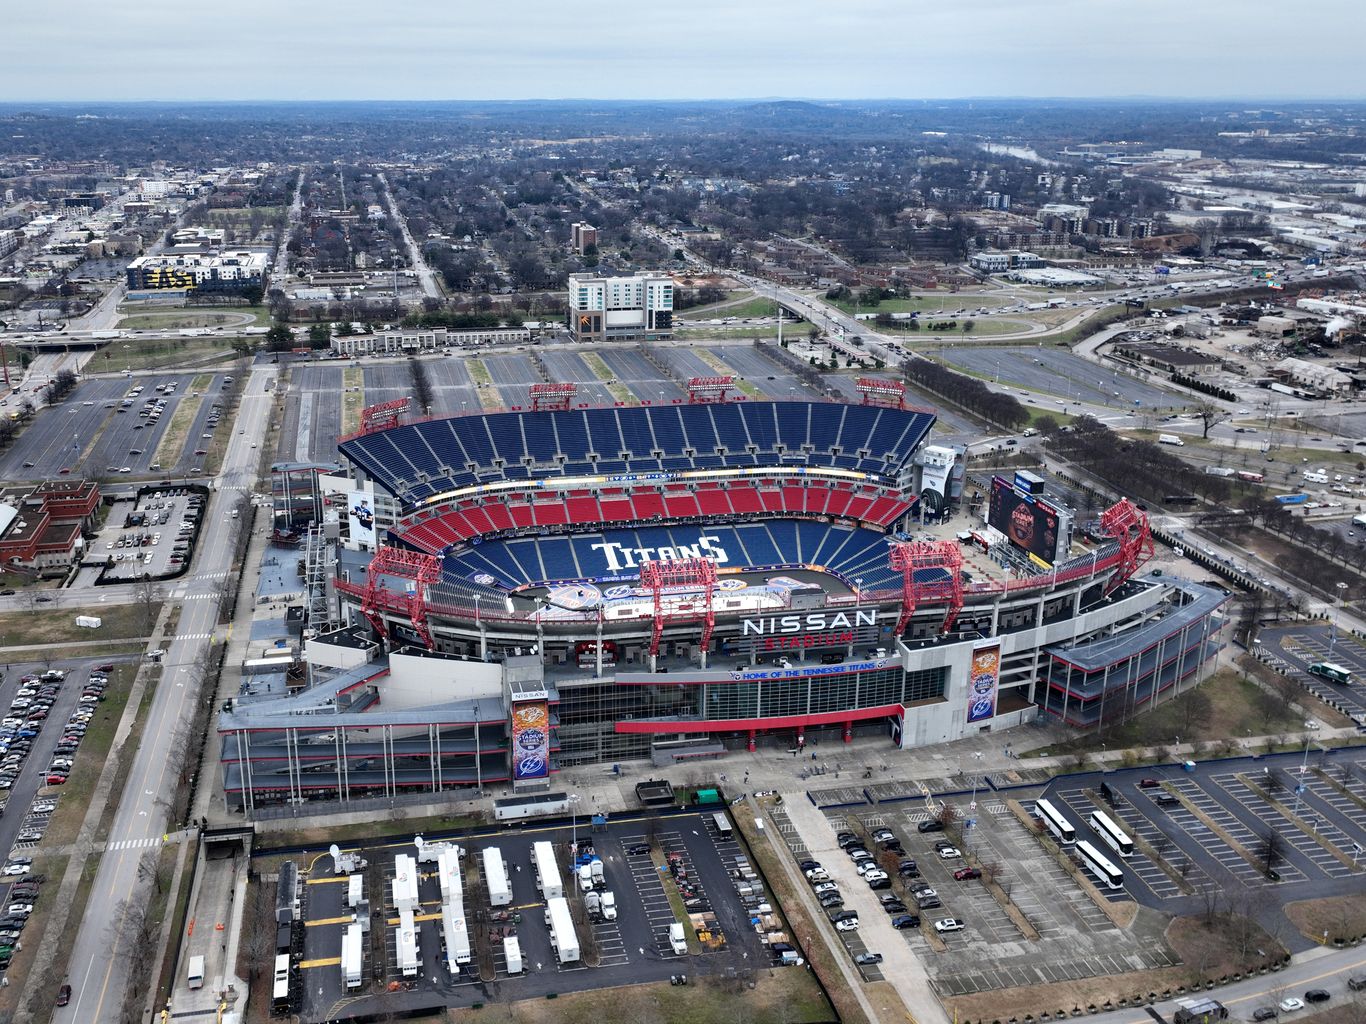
x=849, y=925
x=1148, y=783
x=1290, y=1004
x=963, y=874
x=906, y=921
x=948, y=924
x=930, y=826
x=863, y=959
x=949, y=853
x=1317, y=995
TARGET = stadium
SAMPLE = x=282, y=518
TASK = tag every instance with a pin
x=510, y=592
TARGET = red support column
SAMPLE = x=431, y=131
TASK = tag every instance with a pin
x=751, y=741
x=848, y=732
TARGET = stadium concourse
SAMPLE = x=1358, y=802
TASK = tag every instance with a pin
x=496, y=595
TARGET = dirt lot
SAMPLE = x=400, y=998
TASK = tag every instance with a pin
x=1342, y=917
x=789, y=995
x=58, y=625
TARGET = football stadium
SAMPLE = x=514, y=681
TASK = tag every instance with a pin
x=501, y=594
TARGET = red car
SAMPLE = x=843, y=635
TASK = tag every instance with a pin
x=56, y=780
x=108, y=666
x=963, y=874
x=1148, y=783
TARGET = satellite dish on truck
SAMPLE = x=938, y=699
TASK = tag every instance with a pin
x=335, y=851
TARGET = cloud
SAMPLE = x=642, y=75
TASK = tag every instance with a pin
x=421, y=49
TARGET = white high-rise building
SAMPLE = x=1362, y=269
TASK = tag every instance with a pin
x=627, y=308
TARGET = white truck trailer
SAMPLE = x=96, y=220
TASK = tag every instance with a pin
x=496, y=877
x=547, y=871
x=351, y=951
x=512, y=953
x=562, y=935
x=406, y=944
x=456, y=934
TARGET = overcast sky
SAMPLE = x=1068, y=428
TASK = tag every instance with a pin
x=610, y=49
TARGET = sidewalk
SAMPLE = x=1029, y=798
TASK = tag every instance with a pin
x=209, y=796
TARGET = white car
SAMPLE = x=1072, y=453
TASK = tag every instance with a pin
x=950, y=853
x=865, y=867
x=948, y=924
x=825, y=887
x=848, y=925
x=876, y=875
x=1290, y=1004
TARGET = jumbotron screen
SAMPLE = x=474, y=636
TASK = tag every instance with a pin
x=1027, y=522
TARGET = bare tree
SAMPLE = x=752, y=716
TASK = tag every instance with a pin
x=1210, y=415
x=1272, y=850
x=258, y=936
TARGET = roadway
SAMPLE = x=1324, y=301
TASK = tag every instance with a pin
x=425, y=275
x=98, y=957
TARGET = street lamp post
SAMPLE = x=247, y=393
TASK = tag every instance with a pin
x=574, y=822
x=1337, y=610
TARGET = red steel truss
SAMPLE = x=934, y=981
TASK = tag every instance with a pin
x=553, y=396
x=880, y=391
x=382, y=416
x=708, y=389
x=686, y=572
x=939, y=565
x=1127, y=525
x=423, y=569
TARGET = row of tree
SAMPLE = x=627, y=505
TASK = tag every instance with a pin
x=967, y=392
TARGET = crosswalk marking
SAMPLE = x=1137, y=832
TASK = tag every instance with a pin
x=134, y=844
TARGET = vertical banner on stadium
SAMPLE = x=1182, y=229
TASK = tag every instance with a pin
x=360, y=510
x=983, y=680
x=530, y=740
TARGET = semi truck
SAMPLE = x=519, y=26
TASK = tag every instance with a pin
x=496, y=877
x=562, y=935
x=351, y=952
x=547, y=871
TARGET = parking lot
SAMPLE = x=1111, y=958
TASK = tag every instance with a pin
x=93, y=433
x=1056, y=372
x=989, y=951
x=153, y=536
x=40, y=738
x=1213, y=825
x=633, y=948
x=1295, y=648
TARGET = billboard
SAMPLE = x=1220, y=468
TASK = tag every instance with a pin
x=984, y=678
x=1027, y=522
x=360, y=513
x=530, y=740
x=814, y=630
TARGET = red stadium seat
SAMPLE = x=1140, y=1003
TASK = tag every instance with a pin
x=551, y=513
x=489, y=519
x=681, y=505
x=794, y=499
x=838, y=504
x=859, y=505
x=773, y=500
x=744, y=498
x=648, y=504
x=713, y=503
x=617, y=510
x=521, y=516
x=584, y=510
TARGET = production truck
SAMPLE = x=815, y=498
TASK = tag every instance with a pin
x=496, y=876
x=547, y=871
x=351, y=951
x=1171, y=439
x=562, y=935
